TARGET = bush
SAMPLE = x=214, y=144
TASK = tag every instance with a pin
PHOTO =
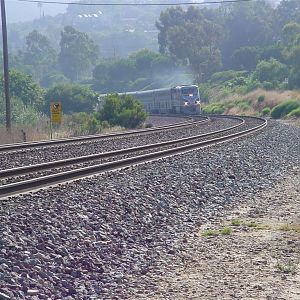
x=266, y=111
x=83, y=123
x=261, y=98
x=284, y=108
x=213, y=108
x=124, y=111
x=268, y=85
x=252, y=84
x=21, y=114
x=270, y=71
x=74, y=98
x=220, y=77
x=204, y=90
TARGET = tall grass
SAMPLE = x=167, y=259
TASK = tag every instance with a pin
x=21, y=134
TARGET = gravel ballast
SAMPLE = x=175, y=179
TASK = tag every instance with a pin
x=63, y=151
x=106, y=237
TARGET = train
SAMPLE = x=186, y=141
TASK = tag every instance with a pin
x=182, y=99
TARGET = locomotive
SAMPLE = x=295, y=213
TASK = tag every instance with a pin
x=183, y=99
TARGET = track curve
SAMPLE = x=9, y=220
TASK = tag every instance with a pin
x=123, y=158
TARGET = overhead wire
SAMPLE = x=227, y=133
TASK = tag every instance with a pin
x=133, y=4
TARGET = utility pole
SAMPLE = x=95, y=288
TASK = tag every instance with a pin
x=5, y=66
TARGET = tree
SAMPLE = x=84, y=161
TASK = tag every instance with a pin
x=287, y=11
x=78, y=53
x=39, y=54
x=293, y=58
x=52, y=79
x=143, y=61
x=246, y=24
x=191, y=38
x=74, y=98
x=245, y=58
x=124, y=111
x=270, y=71
x=136, y=72
x=290, y=33
x=23, y=88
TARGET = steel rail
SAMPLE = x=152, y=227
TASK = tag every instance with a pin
x=28, y=145
x=30, y=184
x=76, y=160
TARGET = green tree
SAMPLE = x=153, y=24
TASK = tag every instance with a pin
x=190, y=38
x=52, y=79
x=124, y=111
x=290, y=33
x=122, y=70
x=246, y=24
x=287, y=11
x=74, y=98
x=78, y=53
x=245, y=58
x=23, y=88
x=39, y=54
x=20, y=113
x=270, y=71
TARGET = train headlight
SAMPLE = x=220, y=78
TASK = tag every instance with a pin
x=186, y=103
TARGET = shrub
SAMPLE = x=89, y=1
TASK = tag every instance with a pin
x=243, y=104
x=252, y=84
x=267, y=85
x=227, y=75
x=261, y=98
x=266, y=111
x=284, y=108
x=204, y=90
x=125, y=111
x=83, y=123
x=213, y=108
x=74, y=98
x=270, y=71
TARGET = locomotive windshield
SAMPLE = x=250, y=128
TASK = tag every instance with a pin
x=189, y=91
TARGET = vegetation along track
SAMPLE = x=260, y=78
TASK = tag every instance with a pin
x=36, y=176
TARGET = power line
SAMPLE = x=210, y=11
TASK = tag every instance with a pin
x=133, y=4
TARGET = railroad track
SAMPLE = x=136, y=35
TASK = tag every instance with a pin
x=82, y=139
x=26, y=178
x=39, y=154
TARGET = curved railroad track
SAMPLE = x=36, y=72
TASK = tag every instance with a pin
x=18, y=180
x=37, y=155
x=82, y=139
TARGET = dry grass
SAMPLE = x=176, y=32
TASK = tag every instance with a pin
x=272, y=98
x=17, y=135
x=290, y=227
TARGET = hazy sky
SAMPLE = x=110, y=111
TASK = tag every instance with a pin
x=23, y=11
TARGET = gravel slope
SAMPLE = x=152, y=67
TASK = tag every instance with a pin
x=106, y=237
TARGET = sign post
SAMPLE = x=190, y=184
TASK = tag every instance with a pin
x=56, y=112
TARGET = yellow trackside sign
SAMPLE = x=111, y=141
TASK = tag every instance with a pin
x=56, y=112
